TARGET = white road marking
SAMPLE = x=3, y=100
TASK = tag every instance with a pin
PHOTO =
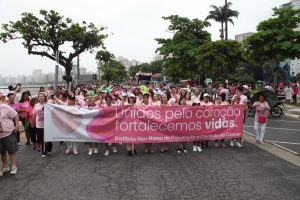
x=286, y=129
x=291, y=151
x=280, y=142
x=274, y=120
x=273, y=143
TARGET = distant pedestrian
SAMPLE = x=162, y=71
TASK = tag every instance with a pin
x=295, y=93
x=288, y=91
x=261, y=115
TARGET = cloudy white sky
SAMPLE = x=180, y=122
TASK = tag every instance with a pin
x=134, y=24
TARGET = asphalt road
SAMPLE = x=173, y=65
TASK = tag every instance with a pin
x=216, y=173
x=284, y=132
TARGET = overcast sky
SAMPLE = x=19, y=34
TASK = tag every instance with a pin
x=134, y=24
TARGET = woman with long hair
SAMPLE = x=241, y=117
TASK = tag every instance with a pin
x=23, y=113
x=38, y=116
x=164, y=102
x=145, y=103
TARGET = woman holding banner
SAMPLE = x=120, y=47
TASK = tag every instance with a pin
x=130, y=147
x=182, y=145
x=238, y=101
x=164, y=102
x=108, y=100
x=92, y=105
x=145, y=103
x=219, y=102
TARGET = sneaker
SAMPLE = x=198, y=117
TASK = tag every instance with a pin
x=185, y=151
x=27, y=143
x=13, y=170
x=44, y=155
x=194, y=148
x=90, y=151
x=238, y=144
x=5, y=169
x=199, y=149
x=232, y=143
x=19, y=144
x=68, y=150
x=95, y=150
x=75, y=152
x=114, y=149
x=106, y=153
x=178, y=151
x=216, y=144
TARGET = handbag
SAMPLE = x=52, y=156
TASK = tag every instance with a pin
x=262, y=119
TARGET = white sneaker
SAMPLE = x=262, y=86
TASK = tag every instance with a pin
x=216, y=144
x=5, y=169
x=238, y=144
x=232, y=143
x=95, y=150
x=199, y=149
x=90, y=151
x=75, y=151
x=106, y=153
x=194, y=148
x=114, y=149
x=185, y=151
x=68, y=150
x=261, y=142
x=13, y=170
x=178, y=151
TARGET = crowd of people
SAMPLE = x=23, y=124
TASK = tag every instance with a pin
x=29, y=109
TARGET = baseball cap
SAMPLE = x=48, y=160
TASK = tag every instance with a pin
x=206, y=95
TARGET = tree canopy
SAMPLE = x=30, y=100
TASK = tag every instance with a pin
x=180, y=51
x=51, y=33
x=114, y=71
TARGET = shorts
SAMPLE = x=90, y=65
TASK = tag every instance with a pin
x=8, y=144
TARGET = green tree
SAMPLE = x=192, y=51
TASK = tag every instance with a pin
x=180, y=51
x=220, y=58
x=276, y=39
x=114, y=71
x=103, y=57
x=51, y=33
x=218, y=14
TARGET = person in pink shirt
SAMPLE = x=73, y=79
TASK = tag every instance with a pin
x=16, y=106
x=155, y=100
x=32, y=128
x=175, y=95
x=188, y=99
x=23, y=107
x=9, y=126
x=131, y=147
x=38, y=116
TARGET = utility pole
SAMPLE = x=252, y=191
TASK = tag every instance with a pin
x=226, y=21
x=78, y=70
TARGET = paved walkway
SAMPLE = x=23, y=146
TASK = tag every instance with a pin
x=230, y=173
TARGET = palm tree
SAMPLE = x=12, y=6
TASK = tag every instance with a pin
x=223, y=15
x=217, y=15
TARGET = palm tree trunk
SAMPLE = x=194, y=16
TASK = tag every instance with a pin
x=222, y=31
x=226, y=21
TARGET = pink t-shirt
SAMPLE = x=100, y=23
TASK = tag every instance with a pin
x=261, y=109
x=189, y=102
x=7, y=116
x=24, y=106
x=38, y=110
x=15, y=106
x=206, y=104
x=156, y=103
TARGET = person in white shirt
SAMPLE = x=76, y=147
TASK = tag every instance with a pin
x=288, y=91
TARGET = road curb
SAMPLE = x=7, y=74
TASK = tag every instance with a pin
x=292, y=116
x=274, y=149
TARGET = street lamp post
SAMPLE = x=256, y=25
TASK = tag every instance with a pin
x=56, y=72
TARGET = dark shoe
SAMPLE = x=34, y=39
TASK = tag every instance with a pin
x=27, y=143
x=61, y=142
x=129, y=153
